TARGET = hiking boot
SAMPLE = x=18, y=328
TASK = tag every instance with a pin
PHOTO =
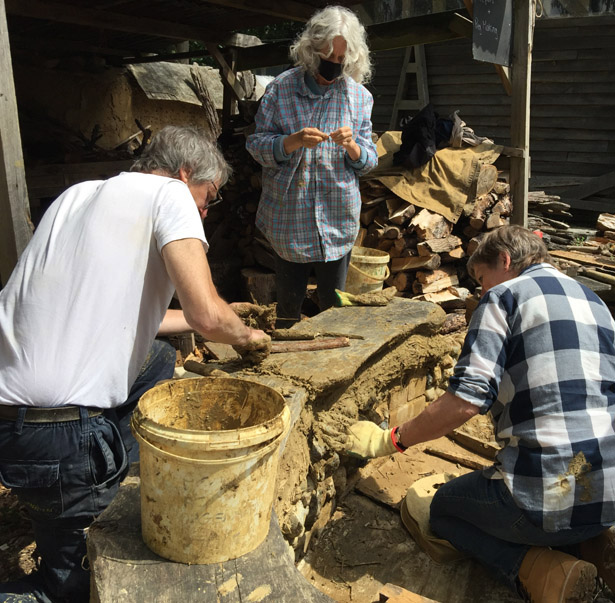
x=548, y=576
x=600, y=551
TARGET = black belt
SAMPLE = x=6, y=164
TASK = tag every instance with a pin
x=46, y=415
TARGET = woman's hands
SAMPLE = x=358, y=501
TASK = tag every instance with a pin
x=312, y=137
x=307, y=137
x=344, y=138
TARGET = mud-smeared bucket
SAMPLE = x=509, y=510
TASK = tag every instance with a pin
x=367, y=271
x=209, y=451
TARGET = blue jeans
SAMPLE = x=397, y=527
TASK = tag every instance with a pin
x=291, y=279
x=480, y=518
x=65, y=474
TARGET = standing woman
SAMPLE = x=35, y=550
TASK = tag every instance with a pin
x=313, y=139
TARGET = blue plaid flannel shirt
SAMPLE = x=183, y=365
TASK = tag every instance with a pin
x=540, y=355
x=309, y=207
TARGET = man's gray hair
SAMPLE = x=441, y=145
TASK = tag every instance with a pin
x=522, y=245
x=188, y=147
x=319, y=33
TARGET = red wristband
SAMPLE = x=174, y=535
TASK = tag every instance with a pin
x=398, y=445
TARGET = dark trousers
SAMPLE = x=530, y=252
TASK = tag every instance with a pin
x=291, y=279
x=65, y=474
x=479, y=517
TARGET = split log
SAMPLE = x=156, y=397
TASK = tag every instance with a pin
x=442, y=283
x=605, y=222
x=479, y=211
x=428, y=225
x=454, y=255
x=487, y=177
x=402, y=281
x=413, y=263
x=503, y=207
x=495, y=221
x=438, y=245
x=426, y=277
x=501, y=188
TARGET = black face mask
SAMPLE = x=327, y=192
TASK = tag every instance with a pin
x=329, y=70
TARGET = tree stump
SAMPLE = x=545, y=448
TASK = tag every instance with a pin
x=123, y=569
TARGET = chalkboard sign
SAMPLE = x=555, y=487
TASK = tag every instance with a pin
x=492, y=31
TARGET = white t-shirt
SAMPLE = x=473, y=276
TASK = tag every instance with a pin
x=85, y=301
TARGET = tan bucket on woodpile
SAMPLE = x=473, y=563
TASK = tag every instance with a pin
x=209, y=451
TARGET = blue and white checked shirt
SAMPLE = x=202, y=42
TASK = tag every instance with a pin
x=540, y=355
x=309, y=207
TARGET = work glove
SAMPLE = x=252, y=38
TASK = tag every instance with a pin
x=366, y=440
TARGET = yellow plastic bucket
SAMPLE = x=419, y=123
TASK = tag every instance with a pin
x=368, y=270
x=209, y=451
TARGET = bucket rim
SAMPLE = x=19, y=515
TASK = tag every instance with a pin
x=262, y=451
x=216, y=439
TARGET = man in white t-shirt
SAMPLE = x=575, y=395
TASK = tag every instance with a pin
x=78, y=318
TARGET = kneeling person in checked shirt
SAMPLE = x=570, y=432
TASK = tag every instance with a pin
x=540, y=356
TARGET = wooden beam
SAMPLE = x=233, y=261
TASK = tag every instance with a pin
x=523, y=36
x=591, y=187
x=15, y=225
x=424, y=29
x=229, y=79
x=285, y=9
x=103, y=19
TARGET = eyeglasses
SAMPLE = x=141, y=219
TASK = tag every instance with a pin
x=217, y=199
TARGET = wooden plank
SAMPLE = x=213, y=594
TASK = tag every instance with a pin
x=583, y=258
x=595, y=185
x=106, y=19
x=391, y=593
x=15, y=226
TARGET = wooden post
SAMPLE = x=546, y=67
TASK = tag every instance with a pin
x=523, y=37
x=15, y=225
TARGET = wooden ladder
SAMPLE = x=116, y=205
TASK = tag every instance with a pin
x=413, y=63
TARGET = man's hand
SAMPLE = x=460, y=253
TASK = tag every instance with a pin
x=366, y=440
x=257, y=348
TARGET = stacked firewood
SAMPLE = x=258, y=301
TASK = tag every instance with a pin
x=428, y=252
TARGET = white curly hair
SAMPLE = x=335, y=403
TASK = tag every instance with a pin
x=319, y=33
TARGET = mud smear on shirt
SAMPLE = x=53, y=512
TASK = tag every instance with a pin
x=579, y=468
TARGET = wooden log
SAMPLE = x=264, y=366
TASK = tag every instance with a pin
x=454, y=255
x=501, y=188
x=472, y=245
x=124, y=569
x=605, y=222
x=495, y=221
x=413, y=263
x=428, y=225
x=391, y=232
x=426, y=277
x=391, y=593
x=368, y=215
x=459, y=458
x=402, y=281
x=438, y=245
x=402, y=215
x=278, y=347
x=487, y=177
x=433, y=287
x=479, y=211
x=503, y=207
